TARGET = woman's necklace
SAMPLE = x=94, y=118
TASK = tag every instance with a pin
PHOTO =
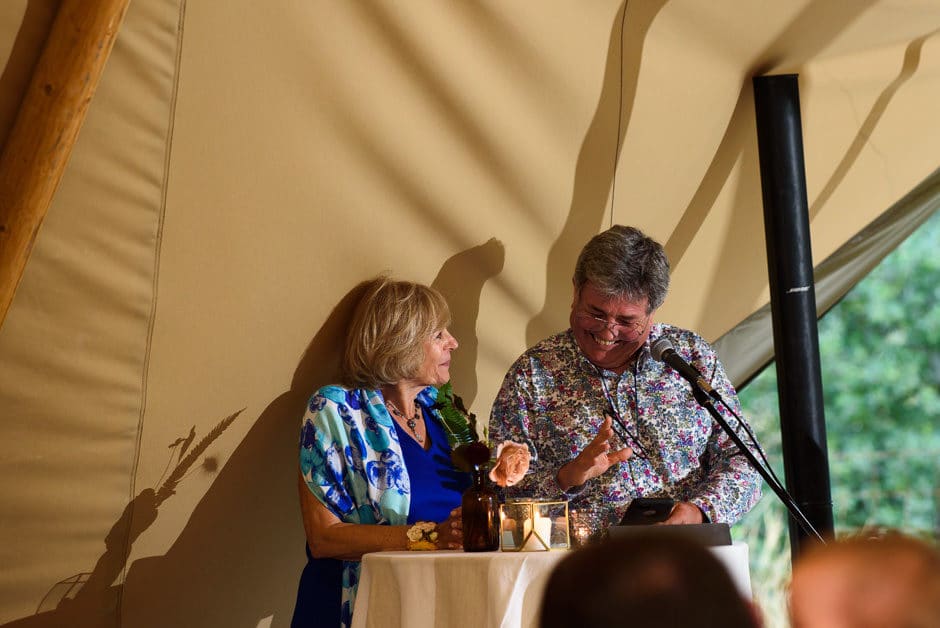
x=411, y=421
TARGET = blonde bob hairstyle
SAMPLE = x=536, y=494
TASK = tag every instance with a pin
x=389, y=328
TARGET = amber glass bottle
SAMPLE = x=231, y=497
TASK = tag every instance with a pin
x=480, y=512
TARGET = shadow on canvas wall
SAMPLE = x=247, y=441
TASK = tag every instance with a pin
x=238, y=559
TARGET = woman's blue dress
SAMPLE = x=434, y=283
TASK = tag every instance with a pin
x=436, y=489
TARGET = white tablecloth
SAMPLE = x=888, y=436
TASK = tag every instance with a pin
x=469, y=590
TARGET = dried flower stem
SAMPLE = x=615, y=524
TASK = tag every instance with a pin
x=169, y=487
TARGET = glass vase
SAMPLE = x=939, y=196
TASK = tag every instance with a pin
x=480, y=512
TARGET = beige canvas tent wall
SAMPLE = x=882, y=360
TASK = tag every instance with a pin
x=245, y=164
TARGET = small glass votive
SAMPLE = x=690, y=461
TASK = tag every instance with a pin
x=533, y=525
x=586, y=526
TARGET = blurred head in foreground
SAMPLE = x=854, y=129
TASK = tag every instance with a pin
x=872, y=579
x=644, y=581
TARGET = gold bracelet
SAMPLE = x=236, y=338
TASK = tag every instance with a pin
x=422, y=536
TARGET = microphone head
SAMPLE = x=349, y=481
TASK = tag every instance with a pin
x=659, y=347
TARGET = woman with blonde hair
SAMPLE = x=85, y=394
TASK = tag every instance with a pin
x=375, y=466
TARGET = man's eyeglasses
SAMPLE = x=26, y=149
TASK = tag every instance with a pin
x=631, y=330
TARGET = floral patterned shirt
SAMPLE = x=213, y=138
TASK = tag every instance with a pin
x=554, y=400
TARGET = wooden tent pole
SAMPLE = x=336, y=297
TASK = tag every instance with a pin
x=47, y=126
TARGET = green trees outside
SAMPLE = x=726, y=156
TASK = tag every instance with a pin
x=880, y=352
x=880, y=357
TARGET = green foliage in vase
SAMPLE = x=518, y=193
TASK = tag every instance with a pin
x=467, y=450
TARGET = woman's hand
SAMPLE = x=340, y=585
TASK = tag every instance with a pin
x=512, y=462
x=450, y=531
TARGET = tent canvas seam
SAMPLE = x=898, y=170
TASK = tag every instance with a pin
x=158, y=242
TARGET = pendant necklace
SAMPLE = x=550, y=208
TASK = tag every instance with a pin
x=411, y=421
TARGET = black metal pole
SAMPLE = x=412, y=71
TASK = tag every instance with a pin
x=793, y=301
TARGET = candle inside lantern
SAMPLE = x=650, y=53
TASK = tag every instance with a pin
x=543, y=528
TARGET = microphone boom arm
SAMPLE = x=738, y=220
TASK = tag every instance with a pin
x=706, y=400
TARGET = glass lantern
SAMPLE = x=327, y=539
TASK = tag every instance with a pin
x=533, y=525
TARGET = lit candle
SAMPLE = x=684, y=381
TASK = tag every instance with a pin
x=542, y=537
x=581, y=534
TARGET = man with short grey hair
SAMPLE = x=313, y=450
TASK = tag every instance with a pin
x=605, y=422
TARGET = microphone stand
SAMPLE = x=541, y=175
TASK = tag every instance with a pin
x=707, y=401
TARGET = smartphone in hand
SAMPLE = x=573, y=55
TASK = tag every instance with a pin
x=646, y=510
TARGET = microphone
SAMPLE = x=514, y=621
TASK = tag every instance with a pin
x=663, y=351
